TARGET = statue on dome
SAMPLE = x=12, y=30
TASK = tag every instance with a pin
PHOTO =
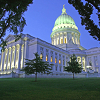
x=64, y=10
x=64, y=6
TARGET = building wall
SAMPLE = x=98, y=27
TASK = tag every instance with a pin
x=27, y=46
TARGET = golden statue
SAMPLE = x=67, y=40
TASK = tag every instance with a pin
x=64, y=6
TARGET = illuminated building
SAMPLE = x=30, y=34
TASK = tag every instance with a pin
x=65, y=39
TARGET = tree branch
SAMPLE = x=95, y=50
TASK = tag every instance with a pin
x=92, y=2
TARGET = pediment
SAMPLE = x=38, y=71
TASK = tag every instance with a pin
x=10, y=38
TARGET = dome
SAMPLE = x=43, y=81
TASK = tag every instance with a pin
x=63, y=22
x=64, y=18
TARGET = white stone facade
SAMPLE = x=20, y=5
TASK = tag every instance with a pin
x=14, y=56
x=65, y=41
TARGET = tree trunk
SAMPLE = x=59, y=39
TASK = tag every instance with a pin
x=73, y=75
x=36, y=77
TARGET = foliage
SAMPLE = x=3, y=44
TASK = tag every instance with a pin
x=86, y=9
x=74, y=66
x=11, y=16
x=36, y=65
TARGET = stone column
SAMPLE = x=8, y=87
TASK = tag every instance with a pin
x=86, y=63
x=22, y=57
x=65, y=63
x=82, y=63
x=56, y=39
x=25, y=51
x=98, y=60
x=53, y=61
x=74, y=39
x=7, y=58
x=62, y=63
x=15, y=56
x=59, y=38
x=44, y=54
x=1, y=67
x=93, y=65
x=11, y=58
x=49, y=56
x=58, y=62
x=3, y=61
x=63, y=37
x=19, y=57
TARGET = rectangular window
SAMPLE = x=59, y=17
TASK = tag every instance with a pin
x=59, y=61
x=65, y=40
x=56, y=68
x=95, y=60
x=41, y=56
x=46, y=58
x=63, y=62
x=55, y=60
x=61, y=41
x=60, y=68
x=66, y=63
x=51, y=58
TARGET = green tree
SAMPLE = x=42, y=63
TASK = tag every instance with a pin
x=85, y=9
x=11, y=17
x=36, y=65
x=73, y=65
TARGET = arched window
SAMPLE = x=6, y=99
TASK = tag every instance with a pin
x=51, y=58
x=46, y=57
x=41, y=56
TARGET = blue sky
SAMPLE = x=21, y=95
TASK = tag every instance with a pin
x=41, y=15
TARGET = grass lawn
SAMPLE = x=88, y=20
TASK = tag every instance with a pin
x=50, y=89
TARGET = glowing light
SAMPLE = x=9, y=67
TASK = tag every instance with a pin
x=59, y=61
x=55, y=60
x=51, y=58
x=46, y=58
x=41, y=56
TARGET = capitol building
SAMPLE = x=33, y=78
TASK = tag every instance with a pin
x=65, y=41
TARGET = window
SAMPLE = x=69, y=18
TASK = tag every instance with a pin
x=51, y=58
x=51, y=52
x=73, y=39
x=55, y=60
x=56, y=68
x=65, y=40
x=95, y=60
x=60, y=68
x=63, y=62
x=66, y=63
x=41, y=56
x=46, y=50
x=46, y=57
x=61, y=41
x=59, y=61
x=41, y=49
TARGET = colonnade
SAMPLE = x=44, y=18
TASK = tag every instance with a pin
x=65, y=37
x=12, y=57
x=59, y=60
x=81, y=60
